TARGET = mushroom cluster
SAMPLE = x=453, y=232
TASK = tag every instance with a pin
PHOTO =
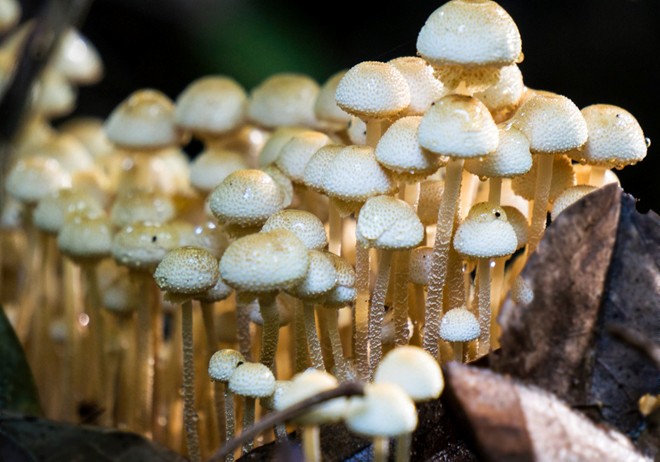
x=362, y=229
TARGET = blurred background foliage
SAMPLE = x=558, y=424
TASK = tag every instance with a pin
x=592, y=51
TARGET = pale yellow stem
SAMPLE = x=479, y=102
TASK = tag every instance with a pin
x=189, y=412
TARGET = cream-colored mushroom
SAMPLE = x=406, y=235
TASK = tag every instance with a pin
x=459, y=326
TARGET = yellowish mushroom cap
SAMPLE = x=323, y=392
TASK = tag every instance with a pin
x=424, y=87
x=511, y=158
x=278, y=138
x=373, y=90
x=563, y=176
x=265, y=262
x=386, y=222
x=187, y=271
x=295, y=154
x=309, y=383
x=211, y=105
x=283, y=181
x=458, y=126
x=89, y=131
x=212, y=165
x=328, y=113
x=141, y=246
x=321, y=277
x=86, y=237
x=459, y=325
x=317, y=166
x=430, y=193
x=485, y=233
x=344, y=292
x=223, y=363
x=569, y=196
x=65, y=149
x=34, y=178
x=136, y=205
x=51, y=211
x=419, y=269
x=273, y=401
x=518, y=221
x=253, y=380
x=76, y=58
x=53, y=95
x=210, y=236
x=284, y=99
x=119, y=292
x=505, y=96
x=413, y=369
x=305, y=225
x=220, y=291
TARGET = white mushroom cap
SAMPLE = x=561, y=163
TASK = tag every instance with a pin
x=386, y=222
x=246, y=198
x=65, y=149
x=569, y=196
x=52, y=210
x=265, y=262
x=511, y=158
x=469, y=33
x=284, y=99
x=280, y=136
x=373, y=89
x=321, y=277
x=10, y=14
x=458, y=126
x=563, y=176
x=354, y=174
x=283, y=181
x=211, y=105
x=615, y=137
x=424, y=87
x=34, y=178
x=53, y=95
x=485, y=233
x=208, y=235
x=521, y=291
x=253, y=380
x=295, y=154
x=430, y=193
x=309, y=383
x=399, y=150
x=219, y=291
x=272, y=402
x=76, y=58
x=141, y=246
x=326, y=109
x=459, y=325
x=384, y=410
x=211, y=166
x=317, y=167
x=504, y=97
x=413, y=369
x=86, y=237
x=344, y=292
x=187, y=271
x=135, y=205
x=552, y=123
x=223, y=363
x=305, y=225
x=419, y=269
x=144, y=120
x=89, y=131
x=518, y=221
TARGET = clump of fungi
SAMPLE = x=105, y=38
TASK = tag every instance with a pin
x=412, y=190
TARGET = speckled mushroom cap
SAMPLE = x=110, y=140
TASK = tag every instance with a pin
x=511, y=158
x=141, y=246
x=413, y=369
x=386, y=222
x=223, y=363
x=253, y=380
x=309, y=383
x=305, y=225
x=317, y=167
x=354, y=175
x=144, y=120
x=519, y=222
x=615, y=137
x=430, y=193
x=65, y=149
x=424, y=87
x=77, y=59
x=283, y=181
x=52, y=210
x=328, y=113
x=134, y=205
x=563, y=176
x=279, y=137
x=419, y=269
x=220, y=291
x=469, y=33
x=265, y=262
x=344, y=292
x=505, y=96
x=458, y=126
x=210, y=236
x=273, y=401
x=284, y=99
x=34, y=178
x=522, y=292
x=399, y=150
x=569, y=196
x=86, y=238
x=384, y=410
x=485, y=233
x=212, y=165
x=10, y=15
x=552, y=123
x=295, y=154
x=246, y=198
x=211, y=105
x=373, y=90
x=321, y=277
x=186, y=271
x=459, y=325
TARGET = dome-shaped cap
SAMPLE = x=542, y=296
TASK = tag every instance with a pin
x=144, y=120
x=86, y=237
x=458, y=126
x=280, y=136
x=511, y=158
x=135, y=205
x=563, y=176
x=373, y=89
x=309, y=383
x=424, y=87
x=34, y=178
x=141, y=246
x=419, y=268
x=89, y=131
x=76, y=58
x=272, y=402
x=386, y=222
x=413, y=369
x=210, y=236
x=384, y=410
x=326, y=109
x=321, y=277
x=265, y=261
x=65, y=149
x=211, y=166
x=505, y=96
x=295, y=154
x=253, y=380
x=53, y=95
x=569, y=196
x=220, y=291
x=615, y=137
x=317, y=166
x=519, y=222
x=284, y=99
x=186, y=271
x=305, y=225
x=283, y=181
x=485, y=233
x=246, y=198
x=211, y=105
x=459, y=325
x=52, y=210
x=223, y=363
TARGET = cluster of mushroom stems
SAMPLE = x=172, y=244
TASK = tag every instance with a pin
x=366, y=229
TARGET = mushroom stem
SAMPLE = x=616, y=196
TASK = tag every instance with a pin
x=271, y=329
x=455, y=295
x=341, y=366
x=541, y=198
x=377, y=311
x=597, y=175
x=312, y=443
x=302, y=353
x=495, y=190
x=361, y=351
x=374, y=131
x=497, y=287
x=248, y=421
x=214, y=407
x=144, y=377
x=400, y=298
x=229, y=417
x=483, y=303
x=403, y=443
x=443, y=236
x=312, y=336
x=334, y=229
x=189, y=413
x=381, y=448
x=244, y=305
x=458, y=348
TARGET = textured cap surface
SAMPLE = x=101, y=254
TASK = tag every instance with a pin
x=485, y=233
x=424, y=87
x=253, y=380
x=187, y=270
x=305, y=225
x=86, y=237
x=142, y=246
x=413, y=369
x=420, y=265
x=320, y=278
x=459, y=325
x=309, y=383
x=211, y=166
x=223, y=363
x=295, y=154
x=511, y=158
x=569, y=196
x=386, y=222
